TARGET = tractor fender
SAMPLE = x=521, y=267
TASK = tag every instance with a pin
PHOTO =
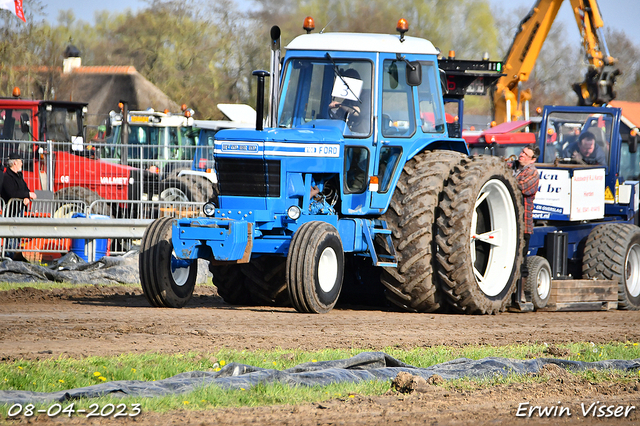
x=457, y=145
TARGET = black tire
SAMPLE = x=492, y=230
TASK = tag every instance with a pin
x=258, y=283
x=186, y=189
x=80, y=193
x=203, y=189
x=315, y=268
x=480, y=236
x=539, y=281
x=265, y=279
x=411, y=218
x=230, y=282
x=162, y=284
x=612, y=252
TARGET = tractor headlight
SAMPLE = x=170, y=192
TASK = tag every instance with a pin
x=294, y=212
x=209, y=209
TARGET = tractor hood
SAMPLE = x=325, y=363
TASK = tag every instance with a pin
x=322, y=131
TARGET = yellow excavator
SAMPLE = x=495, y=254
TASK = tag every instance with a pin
x=511, y=102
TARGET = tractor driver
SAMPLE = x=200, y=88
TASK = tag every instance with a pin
x=346, y=109
x=587, y=151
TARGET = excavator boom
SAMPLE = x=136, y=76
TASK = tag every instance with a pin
x=510, y=101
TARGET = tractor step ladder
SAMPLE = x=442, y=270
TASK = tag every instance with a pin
x=370, y=233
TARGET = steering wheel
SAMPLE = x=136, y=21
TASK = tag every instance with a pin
x=333, y=112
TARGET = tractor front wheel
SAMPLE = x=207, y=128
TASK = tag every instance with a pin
x=539, y=281
x=167, y=281
x=315, y=268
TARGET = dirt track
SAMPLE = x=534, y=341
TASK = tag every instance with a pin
x=37, y=324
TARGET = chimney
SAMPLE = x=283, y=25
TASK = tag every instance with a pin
x=71, y=60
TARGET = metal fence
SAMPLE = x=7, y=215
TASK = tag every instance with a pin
x=42, y=230
x=74, y=181
x=90, y=171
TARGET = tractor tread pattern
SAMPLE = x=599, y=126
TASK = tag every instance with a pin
x=154, y=264
x=455, y=269
x=258, y=283
x=604, y=257
x=411, y=219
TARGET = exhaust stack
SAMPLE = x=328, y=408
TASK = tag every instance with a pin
x=274, y=84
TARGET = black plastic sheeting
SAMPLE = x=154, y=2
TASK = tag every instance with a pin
x=72, y=269
x=366, y=366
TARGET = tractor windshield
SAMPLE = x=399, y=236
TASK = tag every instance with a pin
x=327, y=89
x=63, y=124
x=578, y=137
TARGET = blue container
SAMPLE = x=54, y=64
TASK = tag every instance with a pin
x=80, y=246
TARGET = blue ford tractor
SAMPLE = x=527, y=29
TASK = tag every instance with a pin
x=356, y=166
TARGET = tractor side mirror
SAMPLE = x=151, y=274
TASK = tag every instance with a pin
x=25, y=123
x=633, y=141
x=414, y=73
x=393, y=76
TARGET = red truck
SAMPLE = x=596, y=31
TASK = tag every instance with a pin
x=49, y=135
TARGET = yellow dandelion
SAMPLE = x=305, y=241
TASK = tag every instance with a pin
x=97, y=373
x=203, y=400
x=133, y=370
x=61, y=381
x=217, y=369
x=104, y=379
x=185, y=402
x=20, y=368
x=352, y=396
x=314, y=360
x=635, y=344
x=222, y=363
x=242, y=389
x=275, y=363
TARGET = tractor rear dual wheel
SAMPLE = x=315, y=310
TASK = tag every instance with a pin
x=480, y=238
x=411, y=218
x=612, y=252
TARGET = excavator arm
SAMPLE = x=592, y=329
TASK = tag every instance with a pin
x=510, y=101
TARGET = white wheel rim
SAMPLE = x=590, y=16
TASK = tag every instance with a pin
x=543, y=284
x=502, y=237
x=327, y=269
x=632, y=271
x=173, y=194
x=180, y=275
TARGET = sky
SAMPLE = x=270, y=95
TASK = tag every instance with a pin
x=619, y=14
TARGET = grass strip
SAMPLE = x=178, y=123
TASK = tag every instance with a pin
x=67, y=373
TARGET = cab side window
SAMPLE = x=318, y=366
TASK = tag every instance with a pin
x=398, y=118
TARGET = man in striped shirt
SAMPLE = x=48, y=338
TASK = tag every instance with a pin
x=528, y=179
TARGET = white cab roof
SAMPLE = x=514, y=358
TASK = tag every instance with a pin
x=239, y=112
x=360, y=42
x=222, y=124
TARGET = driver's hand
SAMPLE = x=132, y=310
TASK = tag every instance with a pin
x=334, y=104
x=576, y=156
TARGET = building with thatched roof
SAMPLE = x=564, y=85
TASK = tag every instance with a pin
x=102, y=87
